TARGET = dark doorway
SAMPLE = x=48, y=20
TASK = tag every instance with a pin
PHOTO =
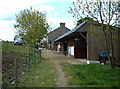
x=80, y=49
x=65, y=46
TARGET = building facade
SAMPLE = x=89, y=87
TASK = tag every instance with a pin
x=55, y=34
x=81, y=42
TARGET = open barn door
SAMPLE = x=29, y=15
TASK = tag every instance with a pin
x=80, y=49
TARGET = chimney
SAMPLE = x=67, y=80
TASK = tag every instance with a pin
x=62, y=24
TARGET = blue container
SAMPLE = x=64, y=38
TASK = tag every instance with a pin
x=105, y=54
x=101, y=54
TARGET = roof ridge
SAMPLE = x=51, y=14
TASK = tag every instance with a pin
x=71, y=31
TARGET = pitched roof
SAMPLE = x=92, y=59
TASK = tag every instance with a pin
x=74, y=30
x=57, y=29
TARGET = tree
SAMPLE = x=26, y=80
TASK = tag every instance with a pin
x=16, y=37
x=32, y=26
x=83, y=19
x=105, y=13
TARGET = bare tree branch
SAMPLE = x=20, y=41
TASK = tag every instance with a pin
x=117, y=18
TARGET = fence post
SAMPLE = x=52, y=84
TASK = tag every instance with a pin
x=29, y=61
x=40, y=55
x=37, y=57
x=16, y=73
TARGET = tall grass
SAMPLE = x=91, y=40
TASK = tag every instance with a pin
x=92, y=75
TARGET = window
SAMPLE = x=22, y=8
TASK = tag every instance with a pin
x=77, y=39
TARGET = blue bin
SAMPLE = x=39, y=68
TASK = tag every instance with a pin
x=103, y=54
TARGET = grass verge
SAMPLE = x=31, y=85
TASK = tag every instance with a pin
x=91, y=75
x=9, y=49
x=42, y=76
x=11, y=53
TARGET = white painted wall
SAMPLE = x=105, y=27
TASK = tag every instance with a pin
x=71, y=50
x=58, y=48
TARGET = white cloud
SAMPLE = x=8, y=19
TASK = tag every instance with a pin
x=14, y=6
x=63, y=1
x=6, y=31
x=55, y=22
x=7, y=34
x=24, y=3
x=56, y=13
x=46, y=8
x=8, y=9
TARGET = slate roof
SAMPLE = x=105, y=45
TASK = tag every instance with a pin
x=74, y=30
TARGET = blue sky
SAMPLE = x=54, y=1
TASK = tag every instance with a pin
x=57, y=12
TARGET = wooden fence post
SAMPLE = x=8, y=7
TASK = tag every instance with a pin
x=40, y=55
x=29, y=61
x=16, y=73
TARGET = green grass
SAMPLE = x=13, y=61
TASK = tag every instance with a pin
x=92, y=75
x=18, y=51
x=42, y=75
x=10, y=52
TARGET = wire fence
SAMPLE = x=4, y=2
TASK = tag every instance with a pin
x=15, y=68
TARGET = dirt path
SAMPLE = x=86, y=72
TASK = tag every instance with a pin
x=56, y=58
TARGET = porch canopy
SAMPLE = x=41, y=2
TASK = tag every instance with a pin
x=73, y=32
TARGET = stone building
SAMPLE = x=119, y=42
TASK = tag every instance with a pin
x=55, y=34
